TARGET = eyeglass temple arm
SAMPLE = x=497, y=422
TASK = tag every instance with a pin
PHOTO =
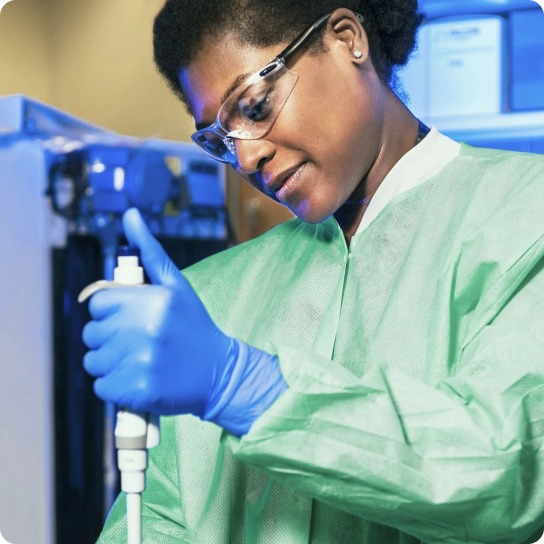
x=290, y=49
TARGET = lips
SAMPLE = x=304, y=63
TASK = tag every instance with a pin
x=279, y=180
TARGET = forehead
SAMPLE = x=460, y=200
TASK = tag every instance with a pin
x=214, y=71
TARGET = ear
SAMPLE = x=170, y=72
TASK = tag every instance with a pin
x=347, y=32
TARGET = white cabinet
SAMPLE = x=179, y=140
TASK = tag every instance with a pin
x=474, y=124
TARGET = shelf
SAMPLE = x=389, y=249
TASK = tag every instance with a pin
x=506, y=126
x=446, y=8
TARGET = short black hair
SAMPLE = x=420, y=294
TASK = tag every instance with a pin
x=182, y=26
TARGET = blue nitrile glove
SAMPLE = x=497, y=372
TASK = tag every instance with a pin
x=157, y=350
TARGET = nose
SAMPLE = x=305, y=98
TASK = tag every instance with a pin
x=253, y=155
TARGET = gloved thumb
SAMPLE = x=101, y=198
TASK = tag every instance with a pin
x=159, y=267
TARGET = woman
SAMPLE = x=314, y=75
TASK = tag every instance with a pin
x=370, y=372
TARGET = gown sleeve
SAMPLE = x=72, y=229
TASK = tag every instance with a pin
x=162, y=516
x=460, y=461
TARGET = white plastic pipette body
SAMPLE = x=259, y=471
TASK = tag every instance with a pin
x=134, y=518
x=135, y=432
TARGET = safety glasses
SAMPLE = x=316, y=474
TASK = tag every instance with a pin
x=250, y=111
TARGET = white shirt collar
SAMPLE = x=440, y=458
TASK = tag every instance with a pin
x=421, y=163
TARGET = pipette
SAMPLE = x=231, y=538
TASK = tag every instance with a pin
x=135, y=432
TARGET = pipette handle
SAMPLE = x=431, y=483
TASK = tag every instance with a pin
x=135, y=432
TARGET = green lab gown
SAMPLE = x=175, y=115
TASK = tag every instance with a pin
x=415, y=366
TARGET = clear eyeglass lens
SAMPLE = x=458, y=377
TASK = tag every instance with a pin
x=250, y=113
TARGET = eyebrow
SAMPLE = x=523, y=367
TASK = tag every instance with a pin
x=238, y=81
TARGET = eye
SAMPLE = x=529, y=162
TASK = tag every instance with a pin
x=256, y=109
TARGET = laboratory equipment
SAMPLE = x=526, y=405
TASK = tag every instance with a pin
x=527, y=42
x=50, y=248
x=488, y=126
x=467, y=73
x=445, y=8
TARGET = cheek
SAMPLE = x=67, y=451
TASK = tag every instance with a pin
x=327, y=117
x=335, y=127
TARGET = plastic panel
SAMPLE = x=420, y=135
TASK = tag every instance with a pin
x=527, y=31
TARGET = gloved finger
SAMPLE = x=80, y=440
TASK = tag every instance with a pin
x=96, y=333
x=109, y=301
x=102, y=361
x=159, y=267
x=124, y=386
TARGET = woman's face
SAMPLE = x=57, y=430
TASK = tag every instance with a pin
x=325, y=139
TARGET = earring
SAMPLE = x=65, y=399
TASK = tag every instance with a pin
x=357, y=54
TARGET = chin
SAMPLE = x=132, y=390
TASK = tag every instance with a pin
x=311, y=214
